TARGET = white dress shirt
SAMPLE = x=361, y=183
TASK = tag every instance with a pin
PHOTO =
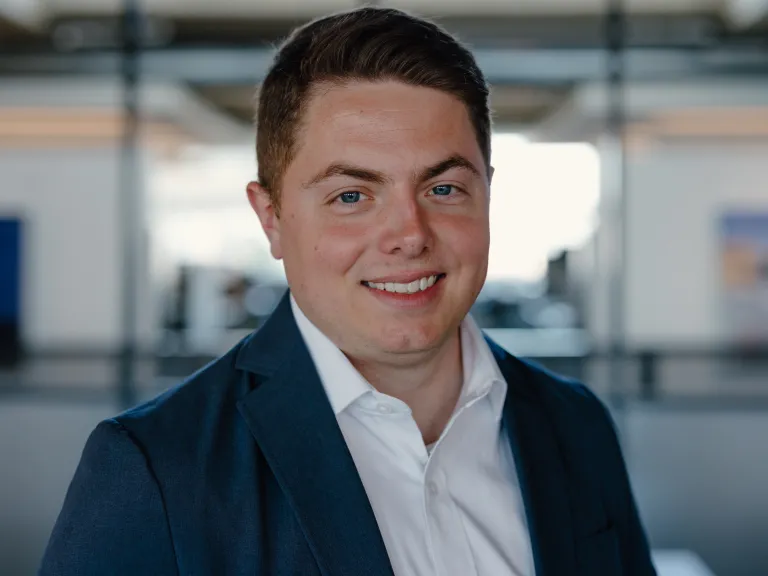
x=454, y=509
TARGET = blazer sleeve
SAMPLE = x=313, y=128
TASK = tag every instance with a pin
x=633, y=543
x=113, y=520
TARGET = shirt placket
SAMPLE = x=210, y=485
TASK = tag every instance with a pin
x=449, y=545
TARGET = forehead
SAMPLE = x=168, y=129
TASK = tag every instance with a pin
x=388, y=119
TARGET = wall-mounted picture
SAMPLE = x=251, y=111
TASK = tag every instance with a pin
x=744, y=260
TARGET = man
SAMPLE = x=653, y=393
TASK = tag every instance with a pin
x=368, y=428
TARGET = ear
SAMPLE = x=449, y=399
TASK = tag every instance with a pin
x=262, y=203
x=491, y=170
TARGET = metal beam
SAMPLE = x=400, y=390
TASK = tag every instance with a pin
x=615, y=196
x=501, y=66
x=130, y=199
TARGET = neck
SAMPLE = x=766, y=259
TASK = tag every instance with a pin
x=430, y=385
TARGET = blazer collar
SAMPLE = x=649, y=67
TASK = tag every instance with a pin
x=540, y=467
x=293, y=423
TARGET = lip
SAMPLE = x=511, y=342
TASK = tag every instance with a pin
x=404, y=278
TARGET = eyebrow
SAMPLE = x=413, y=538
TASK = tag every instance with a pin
x=375, y=177
x=455, y=161
x=341, y=169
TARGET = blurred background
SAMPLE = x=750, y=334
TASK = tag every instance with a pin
x=629, y=231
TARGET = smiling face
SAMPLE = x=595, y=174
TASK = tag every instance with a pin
x=383, y=222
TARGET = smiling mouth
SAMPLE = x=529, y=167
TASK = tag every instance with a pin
x=414, y=287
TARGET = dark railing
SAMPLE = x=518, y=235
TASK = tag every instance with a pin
x=690, y=376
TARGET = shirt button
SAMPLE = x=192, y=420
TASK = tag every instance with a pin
x=384, y=409
x=433, y=489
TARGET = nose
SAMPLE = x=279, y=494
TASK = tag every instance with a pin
x=405, y=228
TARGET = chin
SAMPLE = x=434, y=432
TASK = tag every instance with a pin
x=404, y=339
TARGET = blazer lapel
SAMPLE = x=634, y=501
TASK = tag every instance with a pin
x=540, y=468
x=293, y=423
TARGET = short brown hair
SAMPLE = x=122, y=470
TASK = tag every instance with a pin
x=362, y=44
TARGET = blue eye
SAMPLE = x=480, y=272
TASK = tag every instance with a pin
x=442, y=190
x=349, y=197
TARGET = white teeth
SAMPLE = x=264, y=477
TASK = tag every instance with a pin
x=410, y=288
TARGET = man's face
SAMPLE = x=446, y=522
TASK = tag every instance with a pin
x=383, y=224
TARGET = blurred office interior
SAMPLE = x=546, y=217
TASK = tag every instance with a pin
x=629, y=231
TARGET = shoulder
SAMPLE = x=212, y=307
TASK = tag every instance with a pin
x=178, y=420
x=582, y=424
x=556, y=390
x=572, y=407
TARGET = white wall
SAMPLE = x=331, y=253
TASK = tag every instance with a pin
x=68, y=198
x=68, y=193
x=676, y=190
x=676, y=194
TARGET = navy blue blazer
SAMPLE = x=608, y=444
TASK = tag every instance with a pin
x=242, y=469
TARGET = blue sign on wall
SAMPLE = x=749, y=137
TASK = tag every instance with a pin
x=10, y=288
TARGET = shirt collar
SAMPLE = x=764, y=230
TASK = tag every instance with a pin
x=344, y=384
x=482, y=374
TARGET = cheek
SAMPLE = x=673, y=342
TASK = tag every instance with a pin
x=467, y=237
x=330, y=248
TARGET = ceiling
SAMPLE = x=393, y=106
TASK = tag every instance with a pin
x=513, y=106
x=56, y=26
x=305, y=8
x=36, y=15
x=542, y=22
x=489, y=23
